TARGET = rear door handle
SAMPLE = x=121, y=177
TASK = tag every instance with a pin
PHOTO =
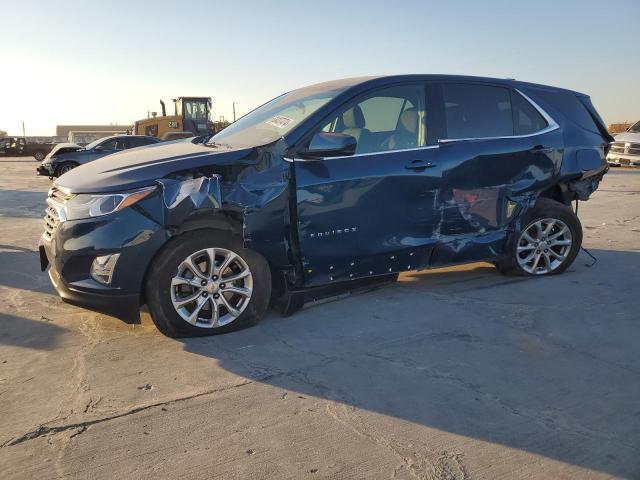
x=419, y=165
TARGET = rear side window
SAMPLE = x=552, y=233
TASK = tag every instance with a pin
x=571, y=107
x=526, y=118
x=477, y=111
x=139, y=142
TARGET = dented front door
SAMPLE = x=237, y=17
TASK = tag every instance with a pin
x=371, y=213
x=366, y=215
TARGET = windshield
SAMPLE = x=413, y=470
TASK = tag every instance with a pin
x=89, y=146
x=635, y=128
x=275, y=118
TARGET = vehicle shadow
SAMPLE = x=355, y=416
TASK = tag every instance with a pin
x=547, y=366
x=22, y=204
x=25, y=333
x=20, y=268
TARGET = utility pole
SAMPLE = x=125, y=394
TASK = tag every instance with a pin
x=234, y=111
x=23, y=130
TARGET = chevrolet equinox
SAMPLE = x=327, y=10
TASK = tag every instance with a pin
x=324, y=189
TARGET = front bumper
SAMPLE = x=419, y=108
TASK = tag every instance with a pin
x=46, y=169
x=618, y=159
x=70, y=249
x=125, y=307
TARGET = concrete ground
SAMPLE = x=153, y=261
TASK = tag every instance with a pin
x=448, y=374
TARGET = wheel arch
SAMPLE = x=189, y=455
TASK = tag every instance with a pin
x=559, y=192
x=225, y=222
x=66, y=162
x=212, y=220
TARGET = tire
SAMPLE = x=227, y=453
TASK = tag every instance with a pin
x=39, y=156
x=554, y=257
x=65, y=167
x=165, y=288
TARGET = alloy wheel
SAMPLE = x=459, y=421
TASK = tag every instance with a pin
x=211, y=288
x=544, y=246
x=65, y=168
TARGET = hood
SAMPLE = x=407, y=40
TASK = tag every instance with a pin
x=61, y=148
x=140, y=167
x=627, y=137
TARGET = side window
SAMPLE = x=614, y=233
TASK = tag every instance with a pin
x=384, y=120
x=526, y=118
x=138, y=142
x=109, y=144
x=114, y=144
x=382, y=113
x=477, y=111
x=151, y=130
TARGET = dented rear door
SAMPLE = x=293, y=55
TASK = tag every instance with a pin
x=493, y=167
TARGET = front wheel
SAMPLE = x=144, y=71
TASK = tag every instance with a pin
x=65, y=167
x=547, y=244
x=205, y=283
x=39, y=156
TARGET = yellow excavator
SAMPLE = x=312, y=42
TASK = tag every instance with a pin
x=192, y=117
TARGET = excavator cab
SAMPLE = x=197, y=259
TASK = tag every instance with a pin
x=195, y=113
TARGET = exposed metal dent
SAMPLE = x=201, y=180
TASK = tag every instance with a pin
x=585, y=187
x=183, y=198
x=252, y=197
x=199, y=192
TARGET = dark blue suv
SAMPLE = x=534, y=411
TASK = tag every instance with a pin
x=324, y=189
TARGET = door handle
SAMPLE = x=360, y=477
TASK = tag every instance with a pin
x=419, y=165
x=539, y=148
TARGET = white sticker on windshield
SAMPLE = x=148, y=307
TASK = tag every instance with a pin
x=279, y=121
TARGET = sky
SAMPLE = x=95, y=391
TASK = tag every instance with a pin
x=91, y=62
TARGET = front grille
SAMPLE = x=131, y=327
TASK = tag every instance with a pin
x=59, y=194
x=621, y=147
x=57, y=197
x=51, y=220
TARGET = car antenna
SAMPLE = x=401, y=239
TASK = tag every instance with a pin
x=595, y=260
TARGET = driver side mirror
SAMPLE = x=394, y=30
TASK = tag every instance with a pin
x=330, y=144
x=97, y=148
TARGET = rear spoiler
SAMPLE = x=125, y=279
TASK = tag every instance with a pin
x=595, y=116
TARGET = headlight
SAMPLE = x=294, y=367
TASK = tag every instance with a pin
x=89, y=205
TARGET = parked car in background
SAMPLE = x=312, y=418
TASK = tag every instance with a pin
x=325, y=189
x=625, y=148
x=70, y=155
x=85, y=137
x=20, y=147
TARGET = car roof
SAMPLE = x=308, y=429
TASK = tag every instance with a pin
x=129, y=136
x=383, y=79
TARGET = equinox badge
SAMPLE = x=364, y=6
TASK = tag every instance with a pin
x=331, y=233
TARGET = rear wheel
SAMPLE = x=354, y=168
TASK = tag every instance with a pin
x=39, y=156
x=548, y=243
x=65, y=167
x=206, y=283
